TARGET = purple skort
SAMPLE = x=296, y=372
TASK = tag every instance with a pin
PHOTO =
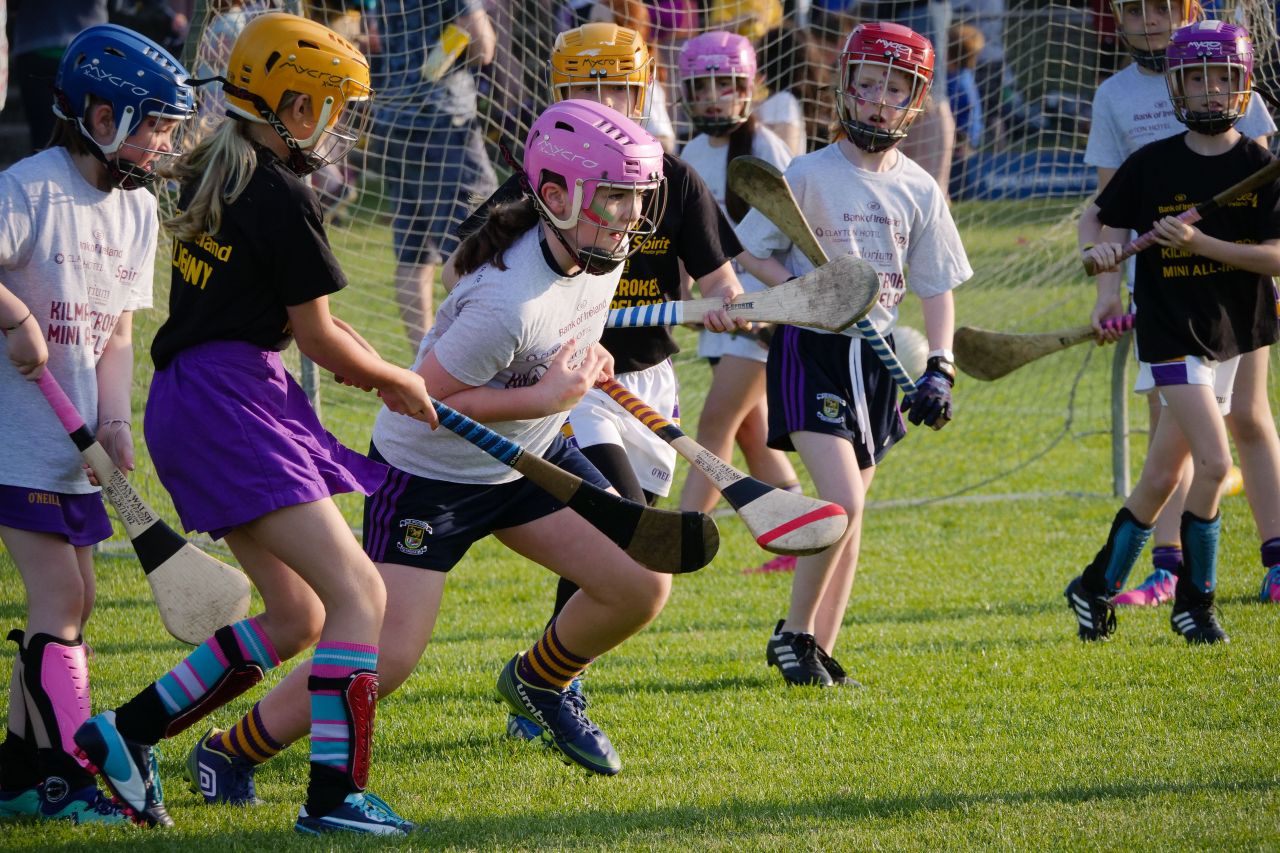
x=82, y=519
x=233, y=437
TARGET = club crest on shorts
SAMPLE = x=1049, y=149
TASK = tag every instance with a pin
x=831, y=408
x=415, y=534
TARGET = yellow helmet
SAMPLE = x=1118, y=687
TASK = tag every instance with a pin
x=277, y=53
x=597, y=54
x=751, y=18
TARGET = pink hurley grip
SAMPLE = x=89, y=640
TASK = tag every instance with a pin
x=1121, y=324
x=62, y=405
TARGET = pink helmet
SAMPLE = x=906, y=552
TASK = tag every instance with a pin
x=718, y=56
x=585, y=146
x=1197, y=48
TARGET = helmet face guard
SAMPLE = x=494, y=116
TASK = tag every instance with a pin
x=611, y=171
x=599, y=55
x=885, y=74
x=1210, y=75
x=139, y=79
x=277, y=54
x=1147, y=25
x=717, y=81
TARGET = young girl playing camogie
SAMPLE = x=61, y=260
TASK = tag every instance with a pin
x=1206, y=298
x=77, y=253
x=611, y=65
x=238, y=446
x=515, y=345
x=1130, y=109
x=830, y=398
x=717, y=85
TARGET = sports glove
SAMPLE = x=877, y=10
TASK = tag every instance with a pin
x=931, y=404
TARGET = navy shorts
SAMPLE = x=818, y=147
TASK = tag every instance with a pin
x=82, y=519
x=430, y=524
x=435, y=176
x=820, y=383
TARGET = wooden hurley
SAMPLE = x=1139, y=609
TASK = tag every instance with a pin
x=782, y=522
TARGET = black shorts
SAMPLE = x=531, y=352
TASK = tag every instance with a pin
x=430, y=524
x=812, y=387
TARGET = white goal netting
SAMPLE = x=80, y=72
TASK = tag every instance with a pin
x=1016, y=195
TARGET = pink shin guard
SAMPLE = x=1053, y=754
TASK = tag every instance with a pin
x=56, y=673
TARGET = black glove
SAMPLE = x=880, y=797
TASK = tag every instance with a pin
x=931, y=404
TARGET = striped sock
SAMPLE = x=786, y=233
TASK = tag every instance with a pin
x=248, y=739
x=549, y=664
x=189, y=682
x=330, y=734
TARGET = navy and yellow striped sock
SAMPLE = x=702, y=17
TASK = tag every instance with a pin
x=248, y=739
x=549, y=664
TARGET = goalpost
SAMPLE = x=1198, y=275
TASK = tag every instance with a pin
x=1047, y=428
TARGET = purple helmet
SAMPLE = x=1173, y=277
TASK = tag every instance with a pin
x=586, y=147
x=720, y=57
x=1198, y=49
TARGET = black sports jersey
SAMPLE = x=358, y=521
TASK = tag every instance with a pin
x=270, y=252
x=693, y=229
x=1188, y=304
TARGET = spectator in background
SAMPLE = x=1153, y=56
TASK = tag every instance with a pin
x=158, y=20
x=434, y=161
x=41, y=33
x=963, y=47
x=790, y=70
x=992, y=75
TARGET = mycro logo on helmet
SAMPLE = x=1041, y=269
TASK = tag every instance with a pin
x=899, y=50
x=1213, y=47
x=325, y=78
x=546, y=146
x=98, y=73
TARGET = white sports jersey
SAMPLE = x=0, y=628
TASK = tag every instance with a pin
x=711, y=162
x=1131, y=109
x=78, y=257
x=896, y=219
x=500, y=329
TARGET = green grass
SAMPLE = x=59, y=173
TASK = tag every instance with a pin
x=983, y=722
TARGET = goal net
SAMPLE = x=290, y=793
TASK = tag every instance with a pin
x=1016, y=195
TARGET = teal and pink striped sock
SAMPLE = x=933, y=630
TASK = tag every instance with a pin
x=331, y=744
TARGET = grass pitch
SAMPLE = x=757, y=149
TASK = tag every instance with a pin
x=983, y=722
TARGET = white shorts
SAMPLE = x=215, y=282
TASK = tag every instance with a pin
x=720, y=344
x=598, y=419
x=1191, y=370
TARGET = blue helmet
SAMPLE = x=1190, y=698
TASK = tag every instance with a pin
x=135, y=75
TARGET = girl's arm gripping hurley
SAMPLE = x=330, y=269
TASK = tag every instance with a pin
x=782, y=522
x=661, y=540
x=195, y=593
x=1265, y=175
x=762, y=186
x=988, y=355
x=832, y=297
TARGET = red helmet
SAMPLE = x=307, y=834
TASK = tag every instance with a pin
x=885, y=74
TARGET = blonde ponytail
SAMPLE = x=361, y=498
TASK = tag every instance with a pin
x=220, y=166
